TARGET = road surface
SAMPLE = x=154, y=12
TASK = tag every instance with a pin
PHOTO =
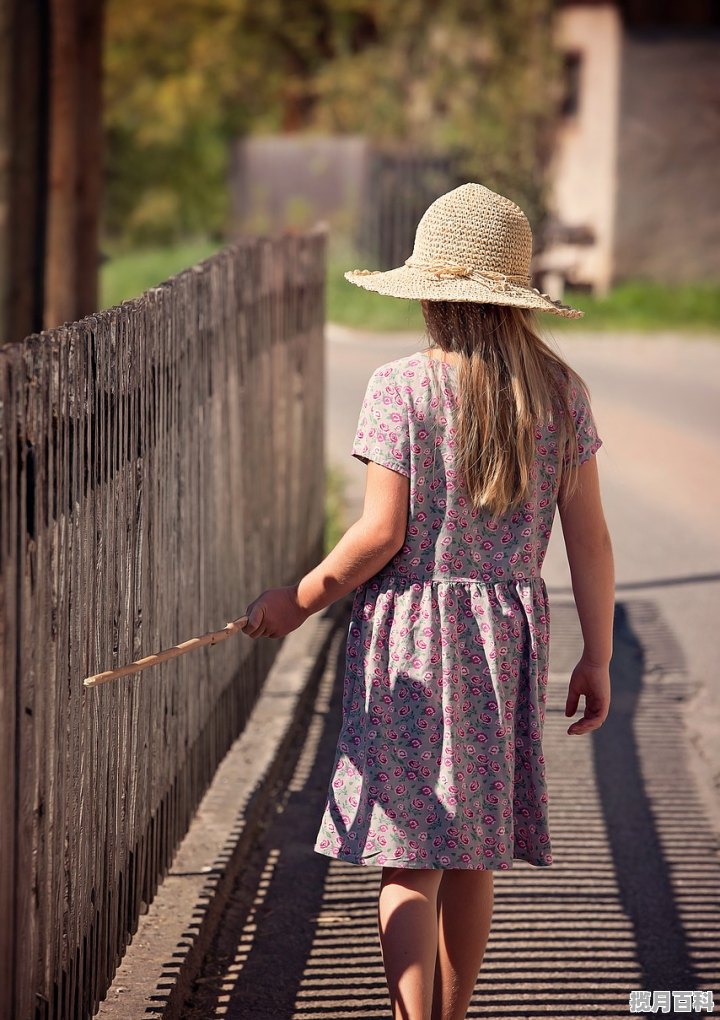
x=632, y=901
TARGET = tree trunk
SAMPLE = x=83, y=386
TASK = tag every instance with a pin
x=61, y=257
x=75, y=169
x=24, y=138
x=50, y=162
x=90, y=150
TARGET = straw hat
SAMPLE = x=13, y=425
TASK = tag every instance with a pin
x=470, y=245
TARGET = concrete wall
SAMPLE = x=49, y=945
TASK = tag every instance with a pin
x=668, y=210
x=282, y=181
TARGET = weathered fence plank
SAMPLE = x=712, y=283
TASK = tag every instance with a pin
x=160, y=463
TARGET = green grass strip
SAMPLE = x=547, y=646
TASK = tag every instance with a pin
x=127, y=275
x=641, y=306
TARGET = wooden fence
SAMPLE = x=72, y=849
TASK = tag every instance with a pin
x=160, y=464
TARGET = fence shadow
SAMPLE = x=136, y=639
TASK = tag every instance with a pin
x=631, y=903
x=256, y=964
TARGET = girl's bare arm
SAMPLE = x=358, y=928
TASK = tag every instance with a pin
x=364, y=549
x=589, y=552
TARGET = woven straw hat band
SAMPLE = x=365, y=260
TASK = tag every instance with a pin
x=478, y=229
x=495, y=281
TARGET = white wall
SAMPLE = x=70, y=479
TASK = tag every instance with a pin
x=583, y=171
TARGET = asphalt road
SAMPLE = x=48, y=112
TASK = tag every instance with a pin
x=632, y=901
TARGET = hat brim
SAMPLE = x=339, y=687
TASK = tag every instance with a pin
x=417, y=285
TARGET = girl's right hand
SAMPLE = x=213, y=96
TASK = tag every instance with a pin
x=592, y=682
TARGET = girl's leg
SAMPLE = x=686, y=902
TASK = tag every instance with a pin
x=465, y=905
x=407, y=920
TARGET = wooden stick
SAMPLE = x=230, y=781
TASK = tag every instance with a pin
x=211, y=638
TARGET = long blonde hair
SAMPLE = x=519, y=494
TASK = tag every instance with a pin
x=510, y=382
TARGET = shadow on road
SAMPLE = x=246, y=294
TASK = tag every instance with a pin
x=637, y=835
x=658, y=582
x=633, y=902
x=257, y=962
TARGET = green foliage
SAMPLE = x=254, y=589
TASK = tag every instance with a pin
x=167, y=151
x=162, y=193
x=473, y=77
x=184, y=77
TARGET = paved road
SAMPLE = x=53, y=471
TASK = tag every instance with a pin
x=633, y=898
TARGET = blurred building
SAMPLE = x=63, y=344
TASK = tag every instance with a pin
x=634, y=180
x=372, y=196
x=289, y=181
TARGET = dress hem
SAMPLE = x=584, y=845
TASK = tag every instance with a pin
x=432, y=866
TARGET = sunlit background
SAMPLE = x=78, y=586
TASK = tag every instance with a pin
x=166, y=128
x=602, y=120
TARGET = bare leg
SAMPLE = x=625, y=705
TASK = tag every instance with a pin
x=408, y=920
x=465, y=905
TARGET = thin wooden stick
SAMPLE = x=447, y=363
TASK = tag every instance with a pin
x=211, y=638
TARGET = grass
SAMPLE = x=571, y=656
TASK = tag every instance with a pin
x=638, y=306
x=127, y=275
x=349, y=305
x=648, y=306
x=641, y=306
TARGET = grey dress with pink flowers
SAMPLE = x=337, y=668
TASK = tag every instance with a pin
x=439, y=761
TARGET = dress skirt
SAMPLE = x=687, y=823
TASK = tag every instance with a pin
x=439, y=762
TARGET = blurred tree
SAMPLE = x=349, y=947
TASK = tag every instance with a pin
x=477, y=77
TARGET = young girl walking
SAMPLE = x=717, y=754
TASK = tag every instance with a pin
x=470, y=445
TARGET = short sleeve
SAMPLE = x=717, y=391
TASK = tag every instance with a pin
x=588, y=440
x=383, y=434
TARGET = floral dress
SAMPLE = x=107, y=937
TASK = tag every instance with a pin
x=439, y=761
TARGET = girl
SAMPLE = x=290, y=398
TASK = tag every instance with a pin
x=470, y=445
